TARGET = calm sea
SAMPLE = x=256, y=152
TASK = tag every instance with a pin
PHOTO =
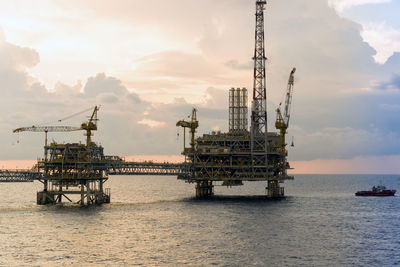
x=155, y=221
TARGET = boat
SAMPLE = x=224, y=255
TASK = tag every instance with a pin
x=377, y=191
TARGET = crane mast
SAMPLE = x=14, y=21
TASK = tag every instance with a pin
x=282, y=121
x=193, y=124
x=90, y=126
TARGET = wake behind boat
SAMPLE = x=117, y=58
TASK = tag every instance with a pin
x=377, y=191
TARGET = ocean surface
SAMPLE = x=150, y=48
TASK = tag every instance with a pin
x=156, y=221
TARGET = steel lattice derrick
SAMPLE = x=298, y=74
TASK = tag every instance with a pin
x=259, y=129
x=259, y=110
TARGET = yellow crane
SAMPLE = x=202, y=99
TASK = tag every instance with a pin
x=282, y=121
x=193, y=124
x=89, y=126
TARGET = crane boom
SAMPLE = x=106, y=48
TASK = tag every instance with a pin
x=282, y=121
x=47, y=129
x=89, y=126
x=288, y=100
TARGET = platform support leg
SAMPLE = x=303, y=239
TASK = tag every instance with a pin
x=82, y=194
x=274, y=190
x=45, y=198
x=204, y=189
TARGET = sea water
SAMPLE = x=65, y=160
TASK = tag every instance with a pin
x=156, y=221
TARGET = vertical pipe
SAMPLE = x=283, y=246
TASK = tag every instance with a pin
x=237, y=109
x=244, y=109
x=231, y=109
x=45, y=144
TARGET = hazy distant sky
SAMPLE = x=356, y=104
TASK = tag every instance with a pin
x=148, y=62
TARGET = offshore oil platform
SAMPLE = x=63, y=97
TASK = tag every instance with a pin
x=231, y=158
x=72, y=169
x=241, y=154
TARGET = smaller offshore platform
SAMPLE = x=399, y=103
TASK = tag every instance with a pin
x=72, y=168
x=242, y=154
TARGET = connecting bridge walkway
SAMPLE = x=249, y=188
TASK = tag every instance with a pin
x=19, y=176
x=146, y=168
x=114, y=167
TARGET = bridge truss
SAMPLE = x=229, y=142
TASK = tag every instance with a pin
x=19, y=176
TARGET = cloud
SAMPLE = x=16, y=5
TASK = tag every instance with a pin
x=192, y=59
x=344, y=143
x=152, y=123
x=15, y=61
x=393, y=84
x=102, y=84
x=2, y=36
x=175, y=64
x=26, y=101
x=385, y=39
x=17, y=58
x=341, y=5
x=234, y=64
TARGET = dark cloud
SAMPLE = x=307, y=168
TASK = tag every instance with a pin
x=393, y=84
x=394, y=61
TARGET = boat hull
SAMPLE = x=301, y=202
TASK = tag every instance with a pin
x=384, y=193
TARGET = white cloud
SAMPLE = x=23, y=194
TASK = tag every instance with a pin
x=341, y=5
x=152, y=123
x=2, y=37
x=385, y=40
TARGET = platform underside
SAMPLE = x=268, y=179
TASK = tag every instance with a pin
x=78, y=191
x=214, y=179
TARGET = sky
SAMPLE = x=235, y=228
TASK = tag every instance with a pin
x=147, y=63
